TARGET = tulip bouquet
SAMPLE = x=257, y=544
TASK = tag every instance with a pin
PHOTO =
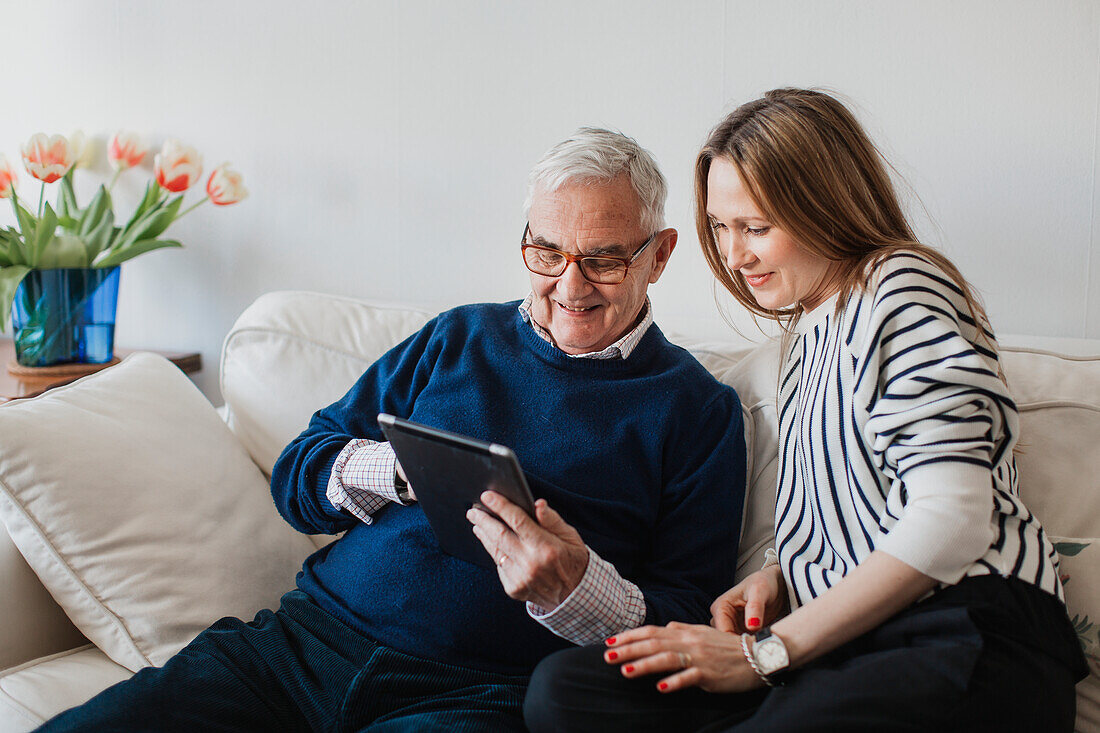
x=69, y=236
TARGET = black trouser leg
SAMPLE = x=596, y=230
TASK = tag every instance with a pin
x=985, y=654
x=575, y=690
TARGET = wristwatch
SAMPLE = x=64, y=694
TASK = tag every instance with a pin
x=771, y=657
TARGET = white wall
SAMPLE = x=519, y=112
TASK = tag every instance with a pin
x=386, y=143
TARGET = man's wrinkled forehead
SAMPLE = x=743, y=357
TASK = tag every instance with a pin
x=595, y=230
x=607, y=206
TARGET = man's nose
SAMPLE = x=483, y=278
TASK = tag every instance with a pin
x=572, y=280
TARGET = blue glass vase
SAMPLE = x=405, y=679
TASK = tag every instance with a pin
x=65, y=316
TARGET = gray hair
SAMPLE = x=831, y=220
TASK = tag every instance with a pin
x=595, y=154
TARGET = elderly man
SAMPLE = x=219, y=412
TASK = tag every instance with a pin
x=635, y=452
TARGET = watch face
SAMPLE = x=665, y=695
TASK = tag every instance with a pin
x=771, y=655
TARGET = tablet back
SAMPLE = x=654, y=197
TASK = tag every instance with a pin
x=448, y=473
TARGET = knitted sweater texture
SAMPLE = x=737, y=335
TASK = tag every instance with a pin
x=645, y=457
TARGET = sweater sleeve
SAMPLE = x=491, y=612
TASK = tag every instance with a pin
x=938, y=416
x=300, y=477
x=700, y=515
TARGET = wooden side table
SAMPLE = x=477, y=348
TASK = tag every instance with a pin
x=14, y=387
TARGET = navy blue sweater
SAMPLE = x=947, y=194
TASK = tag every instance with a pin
x=645, y=457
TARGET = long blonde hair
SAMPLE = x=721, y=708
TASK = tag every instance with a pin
x=813, y=172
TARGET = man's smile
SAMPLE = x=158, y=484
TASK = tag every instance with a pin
x=576, y=309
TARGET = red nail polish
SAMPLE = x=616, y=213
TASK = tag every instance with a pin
x=612, y=655
x=610, y=641
x=754, y=621
x=629, y=668
x=662, y=686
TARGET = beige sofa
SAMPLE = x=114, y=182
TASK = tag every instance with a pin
x=136, y=514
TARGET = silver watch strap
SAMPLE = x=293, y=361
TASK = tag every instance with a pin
x=752, y=660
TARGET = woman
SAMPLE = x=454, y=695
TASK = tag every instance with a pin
x=909, y=588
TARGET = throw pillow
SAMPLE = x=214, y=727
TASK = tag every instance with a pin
x=139, y=511
x=1077, y=563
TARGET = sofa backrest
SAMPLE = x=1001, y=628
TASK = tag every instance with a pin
x=291, y=353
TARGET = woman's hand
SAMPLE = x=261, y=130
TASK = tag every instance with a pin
x=687, y=655
x=541, y=560
x=755, y=602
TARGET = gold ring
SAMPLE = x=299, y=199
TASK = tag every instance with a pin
x=685, y=660
x=501, y=560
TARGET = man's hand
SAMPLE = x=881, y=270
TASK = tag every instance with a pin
x=401, y=474
x=538, y=561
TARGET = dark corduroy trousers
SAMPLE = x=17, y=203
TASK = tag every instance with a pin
x=988, y=654
x=299, y=669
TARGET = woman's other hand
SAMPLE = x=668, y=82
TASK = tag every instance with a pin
x=686, y=655
x=755, y=602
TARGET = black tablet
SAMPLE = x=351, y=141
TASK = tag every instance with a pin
x=448, y=472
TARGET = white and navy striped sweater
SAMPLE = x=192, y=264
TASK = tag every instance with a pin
x=896, y=434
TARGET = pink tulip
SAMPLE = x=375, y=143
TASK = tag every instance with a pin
x=126, y=150
x=7, y=177
x=47, y=158
x=177, y=166
x=225, y=186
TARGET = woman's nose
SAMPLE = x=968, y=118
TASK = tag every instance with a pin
x=737, y=255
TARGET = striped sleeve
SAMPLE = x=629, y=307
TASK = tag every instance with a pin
x=937, y=415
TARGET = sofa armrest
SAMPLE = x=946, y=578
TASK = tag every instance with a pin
x=34, y=625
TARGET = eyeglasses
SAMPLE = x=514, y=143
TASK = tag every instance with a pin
x=600, y=270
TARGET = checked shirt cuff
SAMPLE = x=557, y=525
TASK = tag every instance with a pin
x=603, y=604
x=361, y=481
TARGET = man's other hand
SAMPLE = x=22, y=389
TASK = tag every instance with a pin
x=538, y=561
x=408, y=487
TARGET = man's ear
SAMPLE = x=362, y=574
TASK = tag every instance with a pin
x=666, y=242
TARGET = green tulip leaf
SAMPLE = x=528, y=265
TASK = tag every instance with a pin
x=96, y=211
x=47, y=226
x=15, y=251
x=10, y=277
x=149, y=203
x=1069, y=549
x=152, y=197
x=153, y=224
x=94, y=248
x=118, y=255
x=67, y=210
x=100, y=238
x=65, y=250
x=8, y=240
x=19, y=248
x=26, y=221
